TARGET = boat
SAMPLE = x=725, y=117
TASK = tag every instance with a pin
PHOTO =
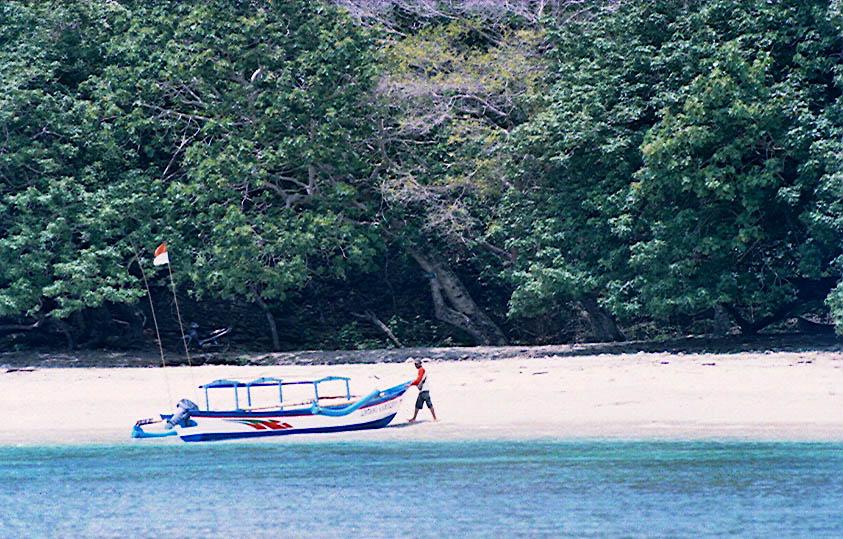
x=322, y=412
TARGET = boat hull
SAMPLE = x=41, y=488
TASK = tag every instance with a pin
x=213, y=426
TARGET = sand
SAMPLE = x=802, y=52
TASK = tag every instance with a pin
x=794, y=396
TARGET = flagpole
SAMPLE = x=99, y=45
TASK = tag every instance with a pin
x=151, y=308
x=178, y=314
x=154, y=322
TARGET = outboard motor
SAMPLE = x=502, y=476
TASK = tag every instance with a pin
x=183, y=410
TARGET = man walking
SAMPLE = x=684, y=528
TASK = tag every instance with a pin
x=422, y=383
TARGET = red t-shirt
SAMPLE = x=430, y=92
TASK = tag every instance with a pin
x=420, y=379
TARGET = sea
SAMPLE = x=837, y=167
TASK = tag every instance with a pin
x=450, y=489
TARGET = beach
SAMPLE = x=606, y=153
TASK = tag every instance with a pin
x=776, y=396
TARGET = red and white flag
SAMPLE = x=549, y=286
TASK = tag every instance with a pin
x=161, y=257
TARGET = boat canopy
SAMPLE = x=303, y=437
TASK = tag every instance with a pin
x=269, y=381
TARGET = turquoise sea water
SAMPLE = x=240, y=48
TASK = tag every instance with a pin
x=445, y=489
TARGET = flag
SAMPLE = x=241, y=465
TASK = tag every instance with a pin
x=161, y=257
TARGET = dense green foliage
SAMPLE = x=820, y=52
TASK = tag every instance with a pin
x=636, y=169
x=685, y=161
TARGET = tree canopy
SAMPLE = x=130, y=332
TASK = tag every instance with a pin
x=369, y=174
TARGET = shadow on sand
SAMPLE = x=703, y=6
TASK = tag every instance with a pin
x=405, y=424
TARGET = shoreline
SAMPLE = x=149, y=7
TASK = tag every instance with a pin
x=772, y=396
x=694, y=345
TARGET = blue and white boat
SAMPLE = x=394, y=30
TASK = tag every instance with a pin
x=322, y=412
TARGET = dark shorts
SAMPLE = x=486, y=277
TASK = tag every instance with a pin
x=424, y=397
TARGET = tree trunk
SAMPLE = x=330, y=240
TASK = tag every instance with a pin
x=371, y=317
x=14, y=328
x=808, y=291
x=65, y=330
x=270, y=319
x=750, y=327
x=603, y=324
x=721, y=321
x=453, y=304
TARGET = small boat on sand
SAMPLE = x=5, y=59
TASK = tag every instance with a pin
x=321, y=412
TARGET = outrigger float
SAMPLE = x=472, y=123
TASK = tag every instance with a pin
x=346, y=412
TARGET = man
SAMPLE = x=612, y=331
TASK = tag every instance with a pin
x=424, y=392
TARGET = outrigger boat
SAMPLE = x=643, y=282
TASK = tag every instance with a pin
x=344, y=412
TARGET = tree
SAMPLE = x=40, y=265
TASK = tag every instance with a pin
x=60, y=248
x=572, y=162
x=255, y=115
x=452, y=90
x=679, y=161
x=735, y=171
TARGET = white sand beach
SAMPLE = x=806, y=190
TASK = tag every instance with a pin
x=771, y=396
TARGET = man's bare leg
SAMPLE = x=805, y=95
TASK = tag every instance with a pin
x=433, y=413
x=414, y=416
